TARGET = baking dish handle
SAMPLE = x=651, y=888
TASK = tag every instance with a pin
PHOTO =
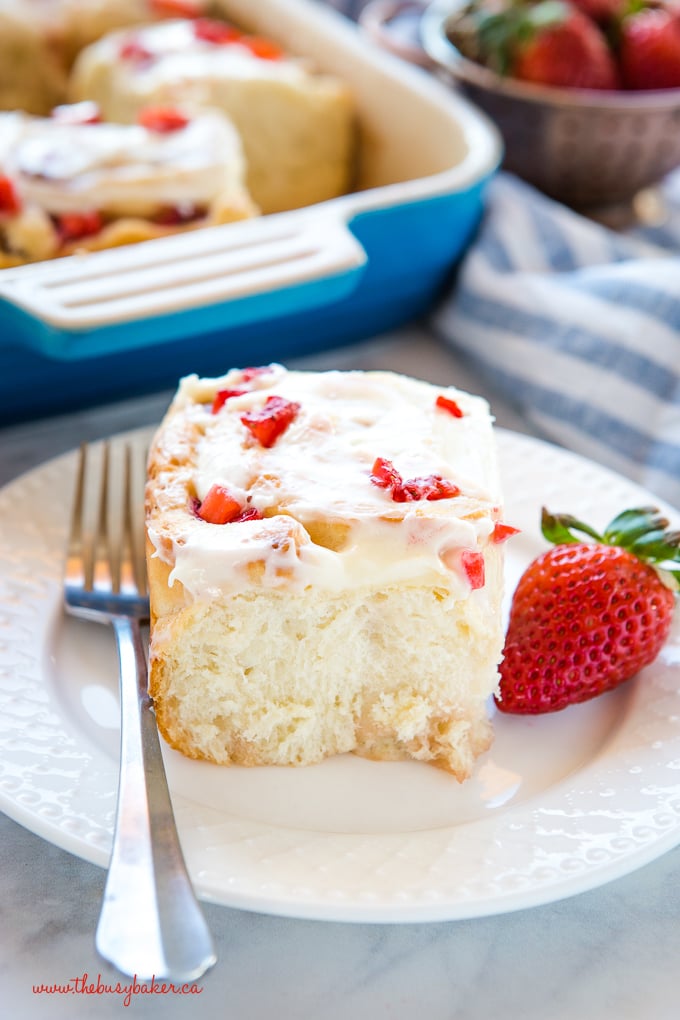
x=216, y=278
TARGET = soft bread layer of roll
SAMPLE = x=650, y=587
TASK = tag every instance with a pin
x=281, y=680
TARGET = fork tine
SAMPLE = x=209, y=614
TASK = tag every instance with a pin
x=128, y=581
x=137, y=469
x=130, y=578
x=75, y=553
x=105, y=569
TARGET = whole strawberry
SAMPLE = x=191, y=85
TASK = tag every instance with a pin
x=649, y=48
x=571, y=52
x=587, y=615
x=548, y=43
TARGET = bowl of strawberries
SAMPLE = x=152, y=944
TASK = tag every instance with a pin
x=586, y=93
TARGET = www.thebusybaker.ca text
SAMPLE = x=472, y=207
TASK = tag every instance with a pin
x=83, y=985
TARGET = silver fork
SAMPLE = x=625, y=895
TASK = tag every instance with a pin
x=150, y=923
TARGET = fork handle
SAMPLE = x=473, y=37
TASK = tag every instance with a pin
x=150, y=924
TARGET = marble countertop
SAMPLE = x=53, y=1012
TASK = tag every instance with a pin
x=607, y=954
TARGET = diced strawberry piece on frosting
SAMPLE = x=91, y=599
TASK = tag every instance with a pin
x=249, y=514
x=132, y=50
x=217, y=32
x=443, y=488
x=73, y=226
x=473, y=565
x=162, y=119
x=501, y=532
x=263, y=48
x=447, y=404
x=219, y=506
x=10, y=202
x=176, y=8
x=384, y=474
x=272, y=420
x=431, y=487
x=222, y=396
x=248, y=374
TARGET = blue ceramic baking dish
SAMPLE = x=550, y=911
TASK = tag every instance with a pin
x=90, y=328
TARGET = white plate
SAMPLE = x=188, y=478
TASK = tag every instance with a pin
x=560, y=804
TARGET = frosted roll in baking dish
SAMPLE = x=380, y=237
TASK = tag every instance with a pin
x=39, y=40
x=32, y=75
x=70, y=183
x=325, y=564
x=297, y=126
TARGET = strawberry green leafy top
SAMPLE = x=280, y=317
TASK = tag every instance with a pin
x=642, y=531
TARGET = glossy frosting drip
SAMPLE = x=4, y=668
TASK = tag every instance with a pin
x=118, y=169
x=325, y=523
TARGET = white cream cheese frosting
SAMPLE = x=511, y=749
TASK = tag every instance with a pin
x=178, y=57
x=119, y=169
x=325, y=523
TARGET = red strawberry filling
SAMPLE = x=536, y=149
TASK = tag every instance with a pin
x=73, y=226
x=267, y=424
x=177, y=215
x=216, y=32
x=10, y=203
x=432, y=487
x=221, y=507
x=447, y=404
x=162, y=119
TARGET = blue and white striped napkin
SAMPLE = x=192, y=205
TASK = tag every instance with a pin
x=578, y=328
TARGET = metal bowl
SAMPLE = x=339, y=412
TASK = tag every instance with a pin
x=586, y=148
